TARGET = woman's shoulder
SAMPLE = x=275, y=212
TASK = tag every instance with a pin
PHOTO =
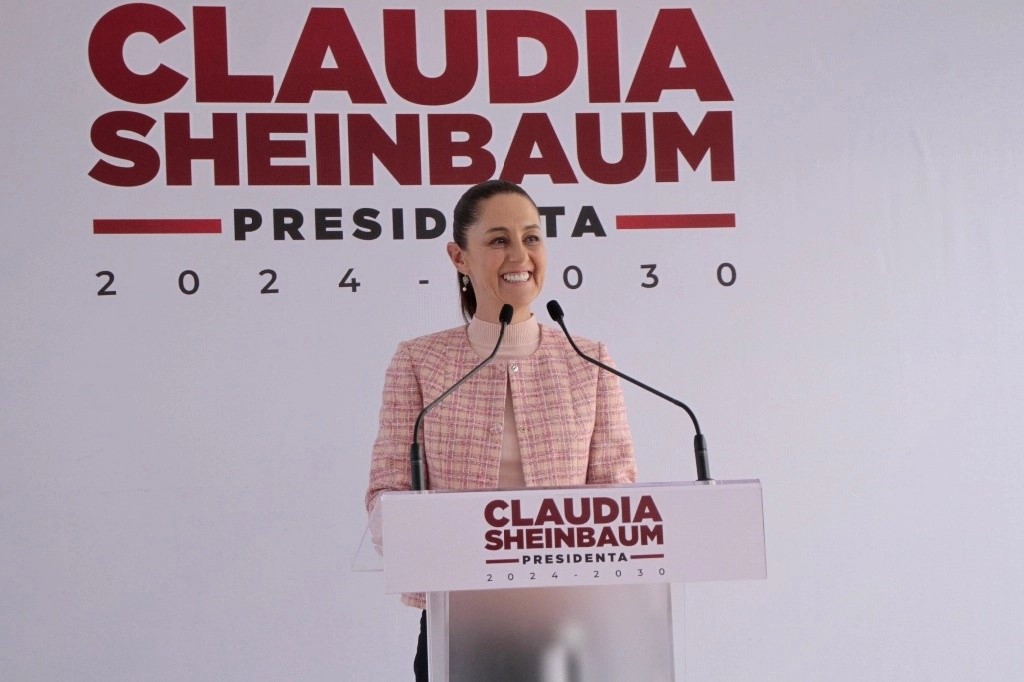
x=553, y=341
x=435, y=344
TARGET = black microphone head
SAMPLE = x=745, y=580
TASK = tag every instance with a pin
x=505, y=316
x=555, y=311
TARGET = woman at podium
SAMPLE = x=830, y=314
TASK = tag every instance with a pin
x=537, y=416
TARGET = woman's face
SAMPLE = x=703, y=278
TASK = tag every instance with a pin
x=504, y=256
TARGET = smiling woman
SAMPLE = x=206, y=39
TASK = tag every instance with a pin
x=538, y=416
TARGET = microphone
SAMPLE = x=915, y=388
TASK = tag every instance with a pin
x=416, y=454
x=700, y=447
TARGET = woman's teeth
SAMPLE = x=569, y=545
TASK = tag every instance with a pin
x=516, y=277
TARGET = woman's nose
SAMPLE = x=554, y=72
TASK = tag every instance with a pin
x=517, y=252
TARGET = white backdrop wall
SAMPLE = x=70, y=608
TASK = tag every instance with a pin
x=181, y=476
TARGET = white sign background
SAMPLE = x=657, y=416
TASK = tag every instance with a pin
x=181, y=477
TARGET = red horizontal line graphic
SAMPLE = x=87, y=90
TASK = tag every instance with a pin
x=156, y=226
x=674, y=221
x=646, y=556
x=502, y=561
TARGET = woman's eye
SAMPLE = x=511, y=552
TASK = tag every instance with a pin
x=532, y=239
x=499, y=241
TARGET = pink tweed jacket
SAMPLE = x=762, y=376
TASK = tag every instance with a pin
x=570, y=416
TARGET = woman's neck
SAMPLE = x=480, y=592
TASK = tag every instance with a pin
x=518, y=315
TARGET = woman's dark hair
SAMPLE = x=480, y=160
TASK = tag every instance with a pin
x=465, y=215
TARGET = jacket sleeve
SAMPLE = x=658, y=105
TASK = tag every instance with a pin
x=389, y=465
x=401, y=402
x=611, y=445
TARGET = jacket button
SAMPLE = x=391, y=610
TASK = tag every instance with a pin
x=514, y=367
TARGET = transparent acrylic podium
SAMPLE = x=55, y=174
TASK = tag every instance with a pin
x=563, y=584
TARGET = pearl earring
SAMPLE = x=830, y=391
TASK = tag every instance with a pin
x=465, y=283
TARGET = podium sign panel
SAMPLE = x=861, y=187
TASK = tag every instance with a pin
x=543, y=537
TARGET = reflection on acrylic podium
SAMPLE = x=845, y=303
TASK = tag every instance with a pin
x=552, y=634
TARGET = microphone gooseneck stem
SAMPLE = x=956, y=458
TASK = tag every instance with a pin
x=630, y=379
x=700, y=447
x=417, y=457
